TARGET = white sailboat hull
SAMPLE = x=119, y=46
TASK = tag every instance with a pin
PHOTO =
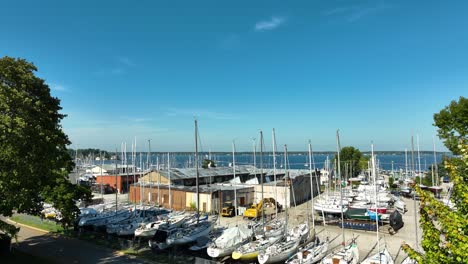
x=176, y=239
x=347, y=255
x=382, y=257
x=311, y=254
x=272, y=255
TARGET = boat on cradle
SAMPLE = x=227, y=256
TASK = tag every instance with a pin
x=129, y=229
x=347, y=255
x=158, y=241
x=204, y=241
x=231, y=239
x=357, y=214
x=274, y=228
x=279, y=251
x=98, y=219
x=382, y=257
x=201, y=243
x=251, y=250
x=329, y=207
x=312, y=253
x=190, y=233
x=400, y=205
x=286, y=247
x=172, y=221
x=104, y=219
x=130, y=223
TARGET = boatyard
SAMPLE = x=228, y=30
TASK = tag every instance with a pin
x=366, y=240
x=304, y=132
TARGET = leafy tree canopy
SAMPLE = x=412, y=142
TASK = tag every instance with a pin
x=351, y=161
x=452, y=122
x=34, y=162
x=207, y=163
x=445, y=230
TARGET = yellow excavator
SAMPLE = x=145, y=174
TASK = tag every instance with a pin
x=228, y=209
x=255, y=210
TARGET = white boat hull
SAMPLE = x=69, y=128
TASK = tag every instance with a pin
x=189, y=238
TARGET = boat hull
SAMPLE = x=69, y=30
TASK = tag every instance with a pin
x=246, y=256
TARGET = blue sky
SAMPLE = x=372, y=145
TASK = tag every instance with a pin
x=377, y=70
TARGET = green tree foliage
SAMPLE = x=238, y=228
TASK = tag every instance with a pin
x=350, y=159
x=207, y=163
x=84, y=153
x=33, y=155
x=445, y=230
x=391, y=182
x=452, y=122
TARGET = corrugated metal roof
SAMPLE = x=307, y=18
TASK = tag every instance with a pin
x=189, y=173
x=202, y=188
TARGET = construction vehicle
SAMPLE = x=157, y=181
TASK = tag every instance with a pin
x=255, y=211
x=228, y=209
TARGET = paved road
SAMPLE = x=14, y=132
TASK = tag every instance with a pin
x=57, y=249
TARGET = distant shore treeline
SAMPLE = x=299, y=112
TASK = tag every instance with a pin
x=90, y=152
x=108, y=154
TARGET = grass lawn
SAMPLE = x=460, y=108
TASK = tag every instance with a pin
x=36, y=221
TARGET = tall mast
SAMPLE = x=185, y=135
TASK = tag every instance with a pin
x=374, y=173
x=261, y=174
x=126, y=171
x=419, y=159
x=406, y=163
x=196, y=166
x=102, y=186
x=134, y=172
x=159, y=179
x=142, y=169
x=414, y=194
x=148, y=158
x=169, y=176
x=76, y=158
x=274, y=172
x=311, y=185
x=254, y=149
x=338, y=150
x=286, y=185
x=413, y=168
x=435, y=163
x=234, y=173
x=116, y=190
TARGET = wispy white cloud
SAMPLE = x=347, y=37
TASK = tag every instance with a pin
x=200, y=113
x=354, y=13
x=271, y=24
x=58, y=87
x=335, y=11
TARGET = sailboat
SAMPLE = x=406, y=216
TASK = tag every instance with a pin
x=172, y=220
x=251, y=250
x=315, y=250
x=382, y=257
x=199, y=229
x=231, y=239
x=288, y=245
x=349, y=254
